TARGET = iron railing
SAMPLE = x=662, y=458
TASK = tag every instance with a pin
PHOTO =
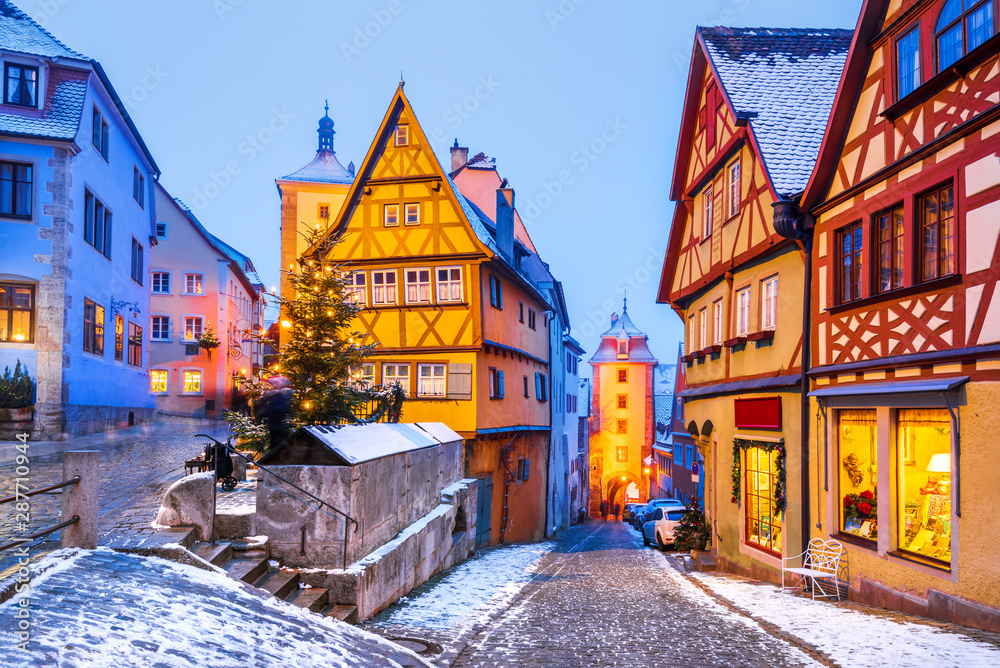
x=75, y=480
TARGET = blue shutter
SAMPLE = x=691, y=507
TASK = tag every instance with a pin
x=538, y=385
x=500, y=384
x=499, y=294
x=527, y=468
x=493, y=291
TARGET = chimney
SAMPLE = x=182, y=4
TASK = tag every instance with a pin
x=505, y=220
x=459, y=156
x=614, y=319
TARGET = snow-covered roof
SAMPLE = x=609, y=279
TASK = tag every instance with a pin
x=623, y=325
x=323, y=168
x=19, y=33
x=62, y=110
x=357, y=443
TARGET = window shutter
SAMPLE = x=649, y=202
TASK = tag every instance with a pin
x=527, y=468
x=500, y=384
x=499, y=294
x=538, y=386
x=493, y=291
x=460, y=381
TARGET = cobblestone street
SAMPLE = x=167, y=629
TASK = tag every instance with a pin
x=137, y=465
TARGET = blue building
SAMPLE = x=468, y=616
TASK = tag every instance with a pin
x=76, y=224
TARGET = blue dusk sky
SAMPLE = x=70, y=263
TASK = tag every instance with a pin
x=579, y=101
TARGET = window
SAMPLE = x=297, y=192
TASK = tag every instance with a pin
x=703, y=328
x=937, y=234
x=366, y=376
x=418, y=286
x=449, y=284
x=541, y=386
x=390, y=215
x=412, y=213
x=193, y=284
x=138, y=187
x=96, y=224
x=717, y=320
x=324, y=212
x=622, y=426
x=384, y=287
x=707, y=212
x=161, y=283
x=396, y=373
x=958, y=26
x=622, y=349
x=526, y=387
x=158, y=379
x=119, y=338
x=137, y=270
x=923, y=501
x=192, y=329
x=622, y=375
x=690, y=455
x=134, y=344
x=531, y=318
x=402, y=135
x=93, y=327
x=496, y=383
x=769, y=309
x=20, y=85
x=355, y=291
x=690, y=334
x=161, y=230
x=431, y=380
x=622, y=401
x=523, y=468
x=889, y=231
x=849, y=247
x=160, y=328
x=496, y=293
x=621, y=453
x=763, y=520
x=102, y=132
x=15, y=189
x=17, y=313
x=191, y=381
x=907, y=63
x=520, y=311
x=859, y=457
x=743, y=312
x=734, y=189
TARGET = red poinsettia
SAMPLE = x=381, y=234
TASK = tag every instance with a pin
x=849, y=500
x=867, y=495
x=864, y=507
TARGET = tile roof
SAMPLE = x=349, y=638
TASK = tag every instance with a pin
x=324, y=168
x=623, y=325
x=482, y=161
x=663, y=405
x=19, y=33
x=638, y=352
x=245, y=263
x=784, y=81
x=62, y=111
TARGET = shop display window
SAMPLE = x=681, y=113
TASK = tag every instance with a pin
x=763, y=519
x=858, y=473
x=924, y=471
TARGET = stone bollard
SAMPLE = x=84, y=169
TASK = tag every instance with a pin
x=80, y=499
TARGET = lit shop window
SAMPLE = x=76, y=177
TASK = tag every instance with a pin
x=924, y=483
x=858, y=473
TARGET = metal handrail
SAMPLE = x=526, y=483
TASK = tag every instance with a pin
x=42, y=490
x=39, y=534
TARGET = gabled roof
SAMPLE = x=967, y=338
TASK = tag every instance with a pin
x=61, y=112
x=324, y=168
x=638, y=352
x=18, y=32
x=784, y=82
x=245, y=263
x=623, y=325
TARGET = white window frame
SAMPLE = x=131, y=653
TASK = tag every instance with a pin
x=153, y=328
x=365, y=376
x=717, y=319
x=182, y=381
x=198, y=330
x=690, y=334
x=448, y=295
x=189, y=278
x=414, y=208
x=165, y=229
x=418, y=284
x=166, y=385
x=434, y=381
x=743, y=311
x=769, y=304
x=402, y=134
x=622, y=349
x=357, y=293
x=733, y=174
x=706, y=210
x=703, y=328
x=390, y=209
x=152, y=283
x=391, y=374
x=384, y=287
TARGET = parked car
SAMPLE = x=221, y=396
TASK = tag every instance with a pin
x=651, y=506
x=629, y=510
x=636, y=514
x=660, y=527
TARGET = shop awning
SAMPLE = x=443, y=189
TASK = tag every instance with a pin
x=929, y=385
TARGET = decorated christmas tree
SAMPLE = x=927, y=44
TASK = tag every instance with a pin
x=693, y=532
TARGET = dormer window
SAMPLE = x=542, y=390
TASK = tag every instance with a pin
x=622, y=349
x=20, y=85
x=961, y=27
x=402, y=135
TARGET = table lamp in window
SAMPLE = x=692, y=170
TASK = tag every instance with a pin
x=940, y=466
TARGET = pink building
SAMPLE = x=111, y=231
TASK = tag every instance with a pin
x=199, y=281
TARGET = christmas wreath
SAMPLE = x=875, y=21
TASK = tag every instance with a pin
x=737, y=473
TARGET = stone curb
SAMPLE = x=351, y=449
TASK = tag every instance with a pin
x=773, y=629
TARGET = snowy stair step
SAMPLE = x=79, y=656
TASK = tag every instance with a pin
x=345, y=613
x=247, y=570
x=279, y=583
x=312, y=599
x=218, y=554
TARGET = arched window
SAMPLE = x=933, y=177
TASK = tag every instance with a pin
x=962, y=26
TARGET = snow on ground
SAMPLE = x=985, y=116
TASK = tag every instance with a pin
x=488, y=580
x=850, y=636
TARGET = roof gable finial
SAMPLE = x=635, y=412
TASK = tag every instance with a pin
x=625, y=301
x=326, y=130
x=401, y=82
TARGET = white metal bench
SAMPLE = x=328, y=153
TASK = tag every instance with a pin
x=820, y=562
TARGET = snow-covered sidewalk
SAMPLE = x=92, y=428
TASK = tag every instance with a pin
x=851, y=635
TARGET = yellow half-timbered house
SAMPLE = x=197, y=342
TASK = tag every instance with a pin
x=453, y=317
x=756, y=105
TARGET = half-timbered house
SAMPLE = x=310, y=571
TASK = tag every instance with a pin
x=906, y=317
x=756, y=105
x=454, y=317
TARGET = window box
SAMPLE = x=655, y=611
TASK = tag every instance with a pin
x=735, y=341
x=766, y=334
x=686, y=358
x=698, y=354
x=711, y=350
